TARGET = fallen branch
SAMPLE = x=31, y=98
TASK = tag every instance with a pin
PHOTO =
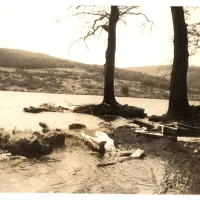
x=144, y=123
x=188, y=127
x=181, y=131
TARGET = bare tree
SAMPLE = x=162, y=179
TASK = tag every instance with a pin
x=178, y=101
x=109, y=95
x=102, y=19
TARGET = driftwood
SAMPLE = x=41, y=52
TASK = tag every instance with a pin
x=188, y=127
x=181, y=130
x=145, y=123
x=94, y=142
x=123, y=156
x=45, y=108
x=112, y=155
x=173, y=130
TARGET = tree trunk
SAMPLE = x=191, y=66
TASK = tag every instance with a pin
x=178, y=101
x=109, y=95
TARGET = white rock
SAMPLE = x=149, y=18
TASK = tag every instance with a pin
x=137, y=154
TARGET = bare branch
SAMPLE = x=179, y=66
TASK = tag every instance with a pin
x=126, y=9
x=123, y=21
x=91, y=13
x=100, y=18
x=89, y=33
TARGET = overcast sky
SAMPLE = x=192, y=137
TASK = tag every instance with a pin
x=31, y=25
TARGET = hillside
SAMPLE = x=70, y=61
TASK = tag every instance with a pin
x=158, y=70
x=14, y=58
x=36, y=72
x=165, y=72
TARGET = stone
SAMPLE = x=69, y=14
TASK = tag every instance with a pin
x=43, y=125
x=55, y=138
x=196, y=151
x=139, y=153
x=76, y=126
x=29, y=146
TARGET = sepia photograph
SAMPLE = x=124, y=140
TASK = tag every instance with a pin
x=99, y=98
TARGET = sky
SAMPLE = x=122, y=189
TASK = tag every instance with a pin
x=31, y=25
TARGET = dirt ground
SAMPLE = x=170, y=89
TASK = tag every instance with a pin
x=182, y=159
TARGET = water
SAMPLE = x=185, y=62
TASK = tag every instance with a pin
x=76, y=172
x=12, y=104
x=72, y=171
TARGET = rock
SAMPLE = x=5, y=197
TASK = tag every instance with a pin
x=76, y=126
x=28, y=145
x=31, y=144
x=139, y=153
x=54, y=138
x=46, y=130
x=43, y=125
x=36, y=133
x=196, y=151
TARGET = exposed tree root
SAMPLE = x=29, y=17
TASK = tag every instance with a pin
x=105, y=109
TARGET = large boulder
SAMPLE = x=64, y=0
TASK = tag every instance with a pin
x=31, y=144
x=28, y=145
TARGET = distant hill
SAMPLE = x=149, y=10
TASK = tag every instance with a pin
x=28, y=71
x=14, y=58
x=164, y=71
x=158, y=70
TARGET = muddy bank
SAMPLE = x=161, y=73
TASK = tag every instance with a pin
x=181, y=159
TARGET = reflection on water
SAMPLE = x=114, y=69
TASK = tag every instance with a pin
x=76, y=172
